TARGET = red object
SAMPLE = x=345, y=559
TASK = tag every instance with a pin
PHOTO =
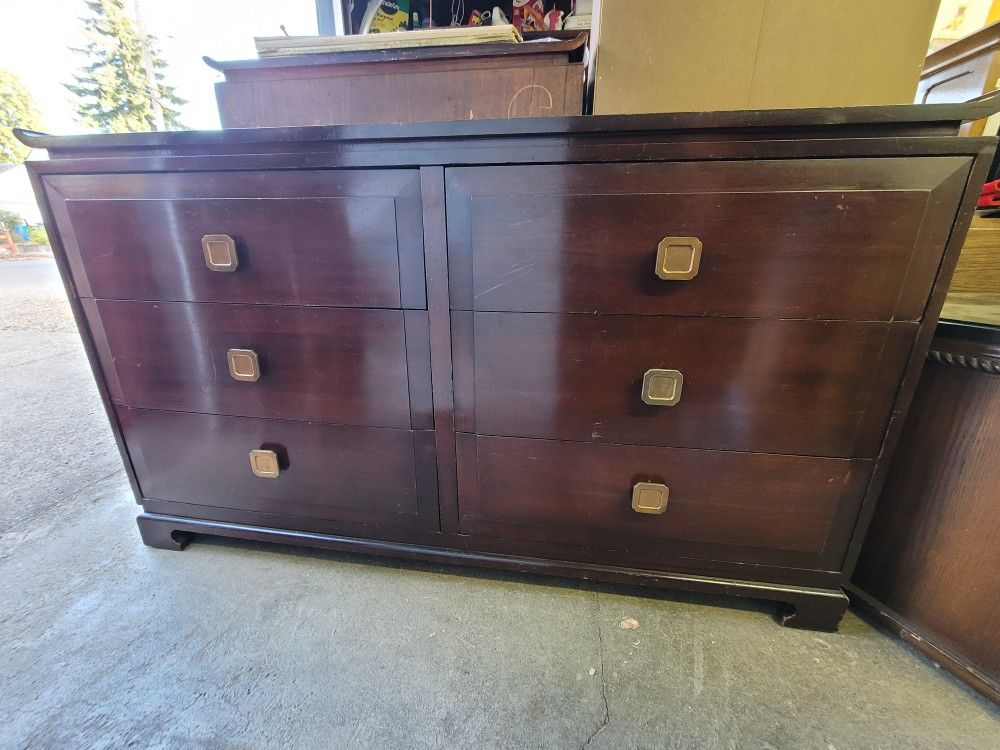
x=528, y=15
x=989, y=197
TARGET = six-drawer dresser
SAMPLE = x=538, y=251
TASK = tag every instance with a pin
x=671, y=350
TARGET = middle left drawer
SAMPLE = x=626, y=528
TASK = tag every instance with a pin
x=335, y=365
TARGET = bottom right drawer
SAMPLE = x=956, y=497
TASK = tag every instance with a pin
x=755, y=508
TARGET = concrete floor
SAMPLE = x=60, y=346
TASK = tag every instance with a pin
x=106, y=643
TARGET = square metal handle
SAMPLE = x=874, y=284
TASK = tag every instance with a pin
x=678, y=258
x=243, y=364
x=264, y=464
x=220, y=252
x=650, y=497
x=662, y=387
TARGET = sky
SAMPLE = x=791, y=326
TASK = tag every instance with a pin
x=38, y=37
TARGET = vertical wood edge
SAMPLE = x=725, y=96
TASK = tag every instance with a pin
x=432, y=195
x=908, y=384
x=86, y=335
x=418, y=369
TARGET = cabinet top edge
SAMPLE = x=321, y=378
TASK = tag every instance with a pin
x=902, y=120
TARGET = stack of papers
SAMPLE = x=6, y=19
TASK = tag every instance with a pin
x=273, y=46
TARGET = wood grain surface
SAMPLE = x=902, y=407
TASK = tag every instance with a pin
x=317, y=364
x=932, y=554
x=356, y=474
x=790, y=239
x=343, y=238
x=777, y=386
x=722, y=505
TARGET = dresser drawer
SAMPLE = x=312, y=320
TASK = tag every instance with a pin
x=776, y=386
x=311, y=363
x=852, y=239
x=746, y=507
x=340, y=238
x=338, y=473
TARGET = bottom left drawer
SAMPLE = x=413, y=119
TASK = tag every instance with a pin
x=337, y=473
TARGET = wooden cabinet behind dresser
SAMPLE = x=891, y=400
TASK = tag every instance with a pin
x=668, y=350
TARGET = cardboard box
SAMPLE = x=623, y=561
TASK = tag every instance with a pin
x=684, y=56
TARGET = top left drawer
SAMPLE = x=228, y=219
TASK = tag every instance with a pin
x=341, y=238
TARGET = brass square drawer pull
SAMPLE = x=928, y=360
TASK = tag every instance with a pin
x=662, y=387
x=264, y=463
x=650, y=497
x=243, y=364
x=220, y=252
x=678, y=258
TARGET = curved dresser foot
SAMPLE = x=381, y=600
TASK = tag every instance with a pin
x=161, y=534
x=814, y=611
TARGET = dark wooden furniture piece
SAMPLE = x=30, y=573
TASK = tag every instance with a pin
x=466, y=82
x=962, y=70
x=670, y=350
x=928, y=569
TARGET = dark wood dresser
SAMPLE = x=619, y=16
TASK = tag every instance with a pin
x=671, y=350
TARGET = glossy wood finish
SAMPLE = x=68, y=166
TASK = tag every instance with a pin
x=911, y=374
x=780, y=386
x=922, y=135
x=435, y=233
x=722, y=505
x=350, y=474
x=795, y=239
x=324, y=364
x=465, y=82
x=403, y=93
x=941, y=119
x=930, y=564
x=342, y=238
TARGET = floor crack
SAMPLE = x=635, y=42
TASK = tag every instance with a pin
x=604, y=688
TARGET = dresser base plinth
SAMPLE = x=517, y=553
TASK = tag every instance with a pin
x=800, y=606
x=812, y=612
x=160, y=533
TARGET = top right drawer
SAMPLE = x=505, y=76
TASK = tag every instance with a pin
x=837, y=239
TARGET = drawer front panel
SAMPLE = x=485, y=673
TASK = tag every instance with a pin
x=776, y=386
x=318, y=364
x=784, y=510
x=350, y=474
x=340, y=238
x=851, y=239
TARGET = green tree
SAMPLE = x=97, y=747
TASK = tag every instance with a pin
x=9, y=219
x=17, y=110
x=121, y=87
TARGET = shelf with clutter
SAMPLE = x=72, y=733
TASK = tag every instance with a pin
x=527, y=16
x=416, y=63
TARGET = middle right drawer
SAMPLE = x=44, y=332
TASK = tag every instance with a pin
x=802, y=387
